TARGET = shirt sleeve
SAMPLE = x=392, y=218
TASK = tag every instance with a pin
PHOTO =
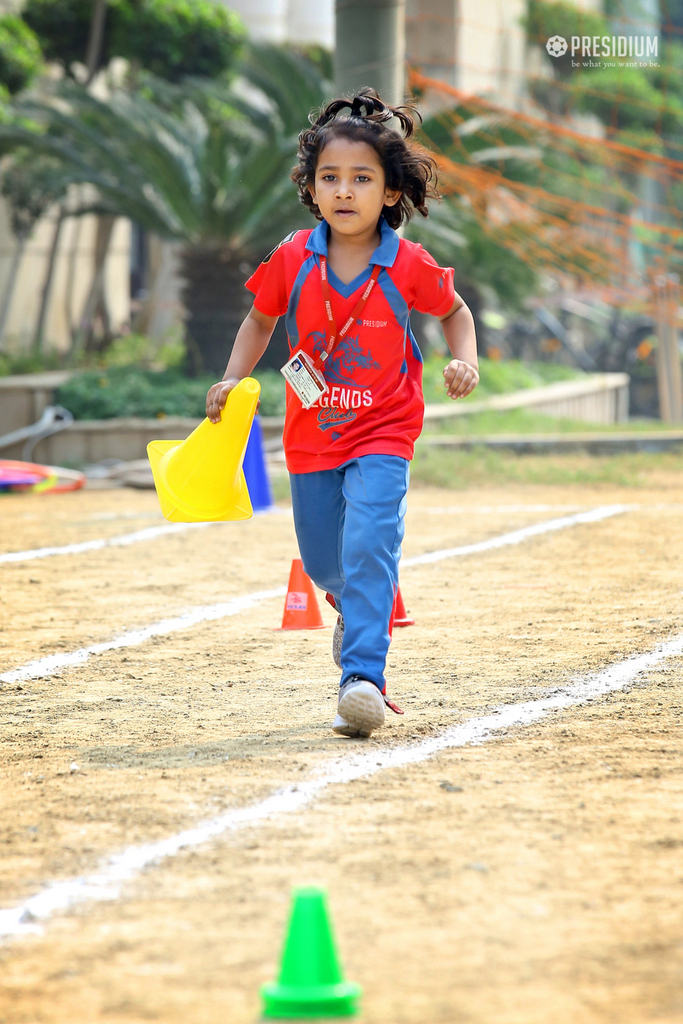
x=434, y=291
x=269, y=284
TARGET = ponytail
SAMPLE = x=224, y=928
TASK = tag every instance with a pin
x=368, y=106
x=408, y=168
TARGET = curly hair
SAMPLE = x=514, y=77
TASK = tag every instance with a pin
x=408, y=168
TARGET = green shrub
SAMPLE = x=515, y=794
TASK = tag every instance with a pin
x=272, y=392
x=174, y=38
x=29, y=362
x=130, y=391
x=139, y=350
x=20, y=54
x=117, y=390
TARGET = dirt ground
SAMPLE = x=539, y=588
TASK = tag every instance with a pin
x=534, y=878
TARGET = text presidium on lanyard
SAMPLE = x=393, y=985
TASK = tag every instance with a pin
x=302, y=373
x=332, y=338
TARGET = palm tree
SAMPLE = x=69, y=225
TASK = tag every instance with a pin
x=203, y=163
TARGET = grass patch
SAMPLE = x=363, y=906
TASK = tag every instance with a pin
x=27, y=363
x=496, y=377
x=279, y=486
x=526, y=421
x=484, y=467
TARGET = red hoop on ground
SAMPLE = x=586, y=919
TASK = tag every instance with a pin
x=30, y=476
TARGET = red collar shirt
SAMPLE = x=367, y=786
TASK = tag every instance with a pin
x=374, y=405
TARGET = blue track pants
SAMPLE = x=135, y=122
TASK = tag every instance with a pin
x=349, y=524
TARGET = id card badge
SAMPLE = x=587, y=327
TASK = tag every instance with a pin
x=307, y=382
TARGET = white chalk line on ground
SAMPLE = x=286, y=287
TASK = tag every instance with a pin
x=491, y=509
x=41, y=668
x=121, y=541
x=106, y=884
x=44, y=667
x=504, y=509
x=595, y=515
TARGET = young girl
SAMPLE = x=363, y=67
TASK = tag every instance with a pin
x=347, y=288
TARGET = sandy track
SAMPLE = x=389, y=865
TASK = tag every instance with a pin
x=491, y=901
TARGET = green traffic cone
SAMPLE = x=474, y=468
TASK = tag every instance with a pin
x=311, y=985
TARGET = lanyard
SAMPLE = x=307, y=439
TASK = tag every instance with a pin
x=332, y=337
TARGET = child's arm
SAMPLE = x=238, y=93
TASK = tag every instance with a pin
x=251, y=342
x=462, y=374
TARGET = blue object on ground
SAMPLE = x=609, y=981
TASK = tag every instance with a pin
x=255, y=470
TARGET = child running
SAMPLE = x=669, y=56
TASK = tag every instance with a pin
x=354, y=379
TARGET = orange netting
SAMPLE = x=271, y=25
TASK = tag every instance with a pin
x=599, y=213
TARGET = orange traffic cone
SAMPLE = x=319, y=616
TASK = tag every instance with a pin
x=400, y=617
x=301, y=604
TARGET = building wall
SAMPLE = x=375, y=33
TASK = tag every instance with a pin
x=71, y=282
x=311, y=21
x=491, y=44
x=281, y=21
x=475, y=45
x=431, y=38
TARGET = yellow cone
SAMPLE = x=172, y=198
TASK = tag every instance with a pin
x=200, y=479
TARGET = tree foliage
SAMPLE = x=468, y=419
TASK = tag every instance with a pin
x=458, y=235
x=172, y=38
x=644, y=102
x=205, y=163
x=634, y=99
x=546, y=18
x=20, y=54
x=455, y=237
x=178, y=38
x=63, y=27
x=31, y=184
x=199, y=163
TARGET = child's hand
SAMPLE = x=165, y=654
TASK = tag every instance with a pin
x=460, y=378
x=217, y=397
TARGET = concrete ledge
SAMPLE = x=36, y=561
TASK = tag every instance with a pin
x=542, y=444
x=87, y=441
x=24, y=398
x=597, y=398
x=124, y=438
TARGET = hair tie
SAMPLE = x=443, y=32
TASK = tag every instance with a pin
x=356, y=107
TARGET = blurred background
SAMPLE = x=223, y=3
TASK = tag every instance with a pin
x=145, y=153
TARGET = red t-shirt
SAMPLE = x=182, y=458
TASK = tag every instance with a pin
x=374, y=405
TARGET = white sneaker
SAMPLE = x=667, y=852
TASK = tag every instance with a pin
x=360, y=708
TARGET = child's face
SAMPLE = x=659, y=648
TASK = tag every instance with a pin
x=350, y=188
